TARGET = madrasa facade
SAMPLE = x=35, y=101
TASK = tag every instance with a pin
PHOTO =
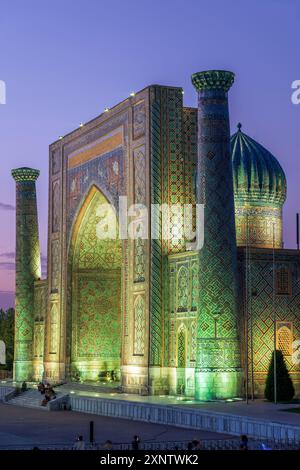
x=174, y=313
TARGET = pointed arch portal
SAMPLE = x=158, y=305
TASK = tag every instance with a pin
x=96, y=291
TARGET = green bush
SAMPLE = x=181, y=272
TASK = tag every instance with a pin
x=285, y=388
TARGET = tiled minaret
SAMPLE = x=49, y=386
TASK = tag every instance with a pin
x=218, y=372
x=28, y=269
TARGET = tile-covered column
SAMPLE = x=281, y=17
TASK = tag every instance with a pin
x=28, y=269
x=218, y=372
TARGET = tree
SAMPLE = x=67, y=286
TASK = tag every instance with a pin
x=285, y=387
x=7, y=321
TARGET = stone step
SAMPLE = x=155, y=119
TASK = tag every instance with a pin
x=30, y=399
x=28, y=405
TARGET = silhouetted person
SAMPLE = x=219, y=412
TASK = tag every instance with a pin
x=79, y=444
x=108, y=445
x=41, y=388
x=244, y=442
x=135, y=443
x=196, y=444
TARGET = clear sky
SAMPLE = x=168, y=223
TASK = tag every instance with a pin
x=64, y=61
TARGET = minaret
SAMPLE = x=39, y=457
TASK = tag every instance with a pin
x=218, y=373
x=28, y=269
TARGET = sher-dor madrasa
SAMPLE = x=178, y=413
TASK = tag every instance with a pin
x=152, y=315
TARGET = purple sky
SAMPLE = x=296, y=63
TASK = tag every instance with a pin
x=65, y=61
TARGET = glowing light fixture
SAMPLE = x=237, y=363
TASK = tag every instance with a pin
x=132, y=93
x=106, y=110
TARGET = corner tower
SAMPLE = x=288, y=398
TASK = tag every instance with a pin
x=218, y=373
x=28, y=269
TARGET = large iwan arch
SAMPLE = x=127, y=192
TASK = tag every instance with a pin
x=95, y=264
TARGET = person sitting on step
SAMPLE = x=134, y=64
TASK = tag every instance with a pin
x=41, y=388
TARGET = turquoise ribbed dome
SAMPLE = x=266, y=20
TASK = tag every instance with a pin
x=258, y=176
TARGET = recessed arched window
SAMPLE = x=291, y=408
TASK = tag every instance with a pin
x=284, y=338
x=283, y=282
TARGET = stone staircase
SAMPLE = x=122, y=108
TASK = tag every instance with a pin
x=32, y=399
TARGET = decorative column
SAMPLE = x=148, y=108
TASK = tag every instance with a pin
x=28, y=269
x=218, y=373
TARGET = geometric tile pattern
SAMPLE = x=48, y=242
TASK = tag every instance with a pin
x=105, y=171
x=193, y=311
x=55, y=162
x=139, y=165
x=96, y=271
x=139, y=120
x=261, y=226
x=54, y=319
x=55, y=205
x=38, y=347
x=195, y=286
x=40, y=309
x=260, y=192
x=139, y=326
x=55, y=258
x=167, y=186
x=260, y=314
x=182, y=282
x=189, y=129
x=218, y=345
x=156, y=285
x=182, y=289
x=92, y=252
x=261, y=310
x=28, y=268
x=98, y=328
x=193, y=341
x=181, y=348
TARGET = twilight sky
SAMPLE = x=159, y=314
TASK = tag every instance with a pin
x=64, y=61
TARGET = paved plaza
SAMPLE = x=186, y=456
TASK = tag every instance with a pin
x=23, y=426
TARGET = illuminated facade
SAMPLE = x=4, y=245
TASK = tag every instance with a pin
x=28, y=269
x=260, y=192
x=150, y=313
